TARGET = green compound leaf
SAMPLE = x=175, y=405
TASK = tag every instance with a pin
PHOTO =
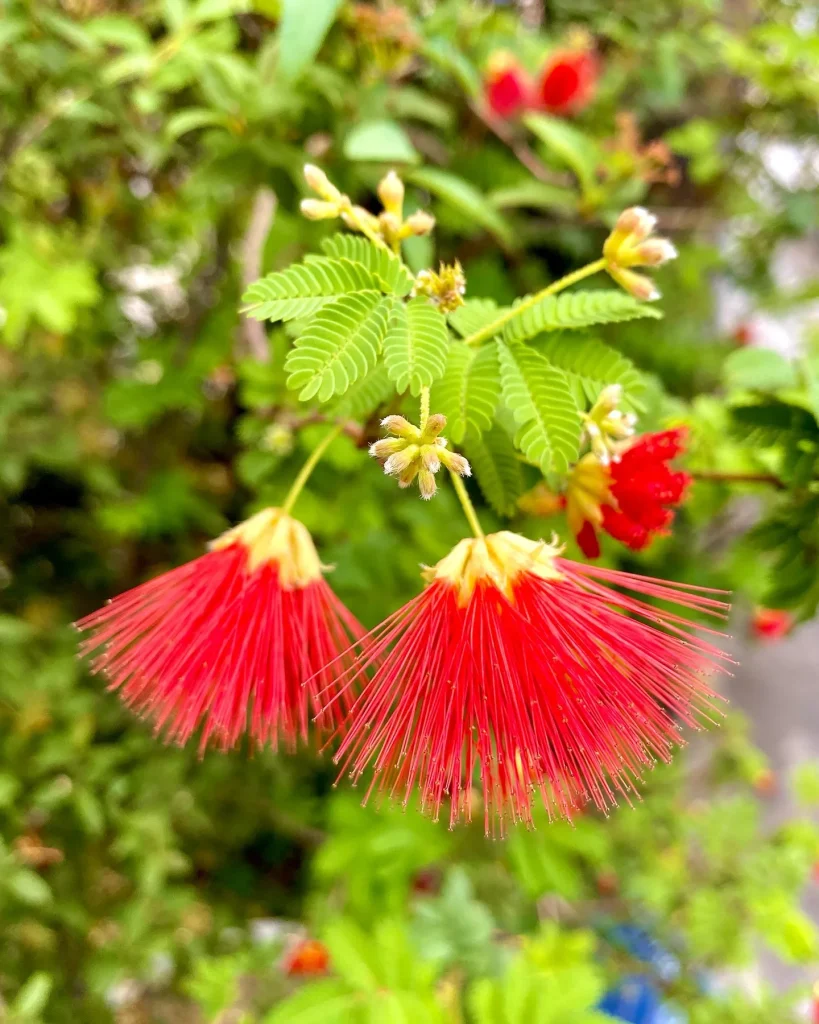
x=394, y=277
x=468, y=392
x=473, y=315
x=415, y=348
x=340, y=345
x=590, y=366
x=361, y=399
x=496, y=468
x=540, y=399
x=574, y=310
x=305, y=287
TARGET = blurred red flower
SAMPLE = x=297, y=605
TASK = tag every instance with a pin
x=771, y=624
x=307, y=958
x=568, y=81
x=507, y=88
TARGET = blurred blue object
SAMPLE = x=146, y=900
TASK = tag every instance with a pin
x=638, y=999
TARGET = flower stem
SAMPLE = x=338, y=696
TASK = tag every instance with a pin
x=424, y=408
x=740, y=478
x=308, y=467
x=466, y=505
x=556, y=286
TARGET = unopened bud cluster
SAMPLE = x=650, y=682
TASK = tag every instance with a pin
x=446, y=288
x=629, y=245
x=607, y=427
x=390, y=225
x=417, y=453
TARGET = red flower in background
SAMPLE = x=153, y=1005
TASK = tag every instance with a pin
x=507, y=87
x=630, y=498
x=531, y=670
x=307, y=958
x=771, y=624
x=230, y=639
x=568, y=81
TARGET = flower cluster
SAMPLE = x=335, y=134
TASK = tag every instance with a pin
x=564, y=85
x=533, y=674
x=445, y=289
x=629, y=246
x=390, y=226
x=417, y=453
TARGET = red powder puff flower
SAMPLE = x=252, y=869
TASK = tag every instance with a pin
x=567, y=82
x=530, y=671
x=628, y=498
x=229, y=640
x=506, y=86
x=771, y=624
x=307, y=958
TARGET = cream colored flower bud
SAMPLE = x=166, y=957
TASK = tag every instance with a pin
x=319, y=182
x=434, y=425
x=638, y=285
x=418, y=223
x=426, y=484
x=397, y=463
x=317, y=209
x=391, y=194
x=456, y=463
x=609, y=398
x=386, y=447
x=655, y=252
x=410, y=473
x=401, y=427
x=429, y=458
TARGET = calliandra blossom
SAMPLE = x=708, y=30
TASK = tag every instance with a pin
x=506, y=86
x=306, y=958
x=771, y=624
x=538, y=674
x=235, y=641
x=631, y=497
x=567, y=82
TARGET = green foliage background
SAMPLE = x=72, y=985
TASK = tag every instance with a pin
x=141, y=148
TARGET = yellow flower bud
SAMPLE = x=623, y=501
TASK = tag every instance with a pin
x=391, y=194
x=317, y=209
x=418, y=223
x=426, y=483
x=319, y=182
x=629, y=246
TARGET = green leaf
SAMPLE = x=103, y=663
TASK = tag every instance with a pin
x=496, y=468
x=468, y=392
x=29, y=888
x=574, y=310
x=340, y=345
x=473, y=315
x=578, y=151
x=361, y=399
x=759, y=369
x=32, y=998
x=189, y=120
x=394, y=277
x=540, y=399
x=465, y=198
x=590, y=366
x=302, y=32
x=415, y=347
x=539, y=195
x=321, y=1002
x=305, y=287
x=382, y=141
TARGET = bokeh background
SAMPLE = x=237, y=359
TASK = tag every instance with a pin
x=150, y=167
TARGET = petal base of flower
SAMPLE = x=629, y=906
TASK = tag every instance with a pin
x=273, y=537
